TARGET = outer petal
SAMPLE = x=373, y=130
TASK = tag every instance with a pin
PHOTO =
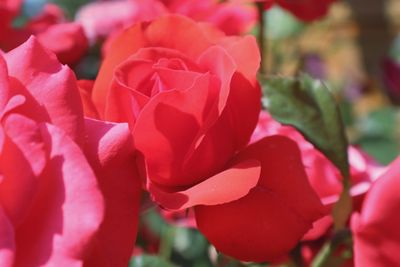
x=50, y=83
x=269, y=221
x=23, y=144
x=213, y=191
x=110, y=152
x=123, y=45
x=178, y=32
x=7, y=242
x=118, y=13
x=375, y=230
x=66, y=40
x=4, y=86
x=245, y=53
x=67, y=210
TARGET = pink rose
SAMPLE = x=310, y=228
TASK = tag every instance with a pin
x=119, y=14
x=53, y=209
x=67, y=40
x=232, y=18
x=376, y=228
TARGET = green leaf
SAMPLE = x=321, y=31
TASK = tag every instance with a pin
x=146, y=260
x=308, y=105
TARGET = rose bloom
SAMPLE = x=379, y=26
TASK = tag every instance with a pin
x=67, y=40
x=8, y=10
x=391, y=78
x=324, y=177
x=190, y=96
x=305, y=10
x=375, y=229
x=69, y=190
x=119, y=14
x=231, y=18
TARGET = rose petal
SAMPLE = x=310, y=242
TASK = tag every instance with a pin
x=169, y=126
x=66, y=40
x=4, y=87
x=246, y=54
x=66, y=211
x=265, y=224
x=123, y=45
x=85, y=90
x=50, y=83
x=177, y=32
x=22, y=160
x=214, y=190
x=375, y=230
x=110, y=152
x=7, y=243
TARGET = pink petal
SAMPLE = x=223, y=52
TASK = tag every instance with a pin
x=66, y=40
x=50, y=83
x=67, y=210
x=214, y=190
x=22, y=161
x=110, y=152
x=7, y=243
x=4, y=87
x=375, y=230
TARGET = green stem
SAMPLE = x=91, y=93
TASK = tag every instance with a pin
x=166, y=243
x=324, y=257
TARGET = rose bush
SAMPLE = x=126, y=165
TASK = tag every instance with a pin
x=69, y=190
x=375, y=228
x=192, y=101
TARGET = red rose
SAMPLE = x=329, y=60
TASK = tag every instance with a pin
x=324, y=177
x=8, y=10
x=192, y=101
x=53, y=210
x=306, y=10
x=231, y=18
x=391, y=78
x=376, y=228
x=66, y=40
x=119, y=14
